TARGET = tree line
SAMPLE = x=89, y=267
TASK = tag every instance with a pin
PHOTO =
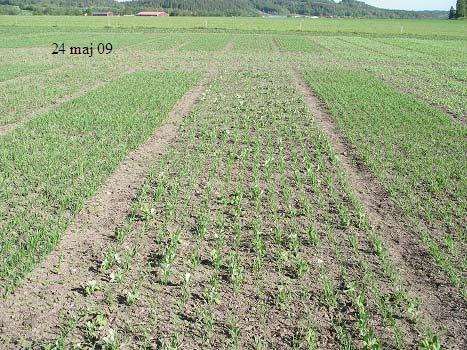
x=460, y=11
x=344, y=8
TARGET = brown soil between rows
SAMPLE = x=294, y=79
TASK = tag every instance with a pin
x=229, y=46
x=33, y=310
x=443, y=303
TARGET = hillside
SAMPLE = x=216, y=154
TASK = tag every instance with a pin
x=344, y=8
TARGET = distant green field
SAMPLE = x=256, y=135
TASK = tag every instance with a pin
x=324, y=25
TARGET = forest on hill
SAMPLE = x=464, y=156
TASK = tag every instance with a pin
x=344, y=8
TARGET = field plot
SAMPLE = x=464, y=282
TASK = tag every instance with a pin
x=53, y=163
x=296, y=44
x=419, y=156
x=233, y=185
x=253, y=43
x=248, y=212
x=207, y=42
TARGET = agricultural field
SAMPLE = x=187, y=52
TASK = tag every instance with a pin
x=209, y=183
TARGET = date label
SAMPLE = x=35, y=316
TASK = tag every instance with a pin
x=101, y=49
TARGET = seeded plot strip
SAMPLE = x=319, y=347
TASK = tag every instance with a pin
x=8, y=128
x=52, y=164
x=340, y=49
x=449, y=52
x=249, y=42
x=160, y=41
x=207, y=42
x=289, y=43
x=409, y=71
x=417, y=152
x=247, y=234
x=382, y=49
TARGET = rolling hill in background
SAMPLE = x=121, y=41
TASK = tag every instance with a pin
x=344, y=8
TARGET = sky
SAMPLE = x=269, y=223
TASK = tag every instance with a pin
x=413, y=4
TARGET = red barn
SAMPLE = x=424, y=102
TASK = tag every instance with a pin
x=153, y=14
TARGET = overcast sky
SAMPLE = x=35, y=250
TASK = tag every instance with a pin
x=413, y=4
